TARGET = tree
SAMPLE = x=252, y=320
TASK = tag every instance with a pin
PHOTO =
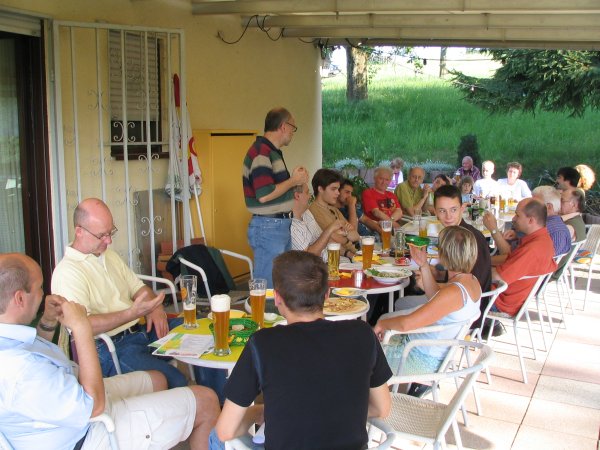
x=532, y=80
x=362, y=62
x=356, y=73
x=468, y=146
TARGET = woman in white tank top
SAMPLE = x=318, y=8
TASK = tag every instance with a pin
x=454, y=302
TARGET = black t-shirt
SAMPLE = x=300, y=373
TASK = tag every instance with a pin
x=483, y=266
x=315, y=379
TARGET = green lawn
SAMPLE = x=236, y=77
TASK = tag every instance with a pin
x=420, y=119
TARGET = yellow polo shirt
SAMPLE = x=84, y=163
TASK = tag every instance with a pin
x=103, y=284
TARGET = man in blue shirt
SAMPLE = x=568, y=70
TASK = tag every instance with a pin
x=46, y=401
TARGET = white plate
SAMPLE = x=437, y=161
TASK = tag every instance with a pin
x=402, y=272
x=348, y=292
x=272, y=318
x=357, y=309
x=375, y=252
x=233, y=314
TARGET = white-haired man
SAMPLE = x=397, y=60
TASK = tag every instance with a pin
x=557, y=229
x=486, y=186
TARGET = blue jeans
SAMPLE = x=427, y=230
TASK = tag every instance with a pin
x=268, y=238
x=134, y=354
x=214, y=443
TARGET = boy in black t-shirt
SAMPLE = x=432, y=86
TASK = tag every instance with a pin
x=320, y=379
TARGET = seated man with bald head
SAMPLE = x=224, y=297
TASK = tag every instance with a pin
x=95, y=276
x=47, y=401
x=410, y=194
x=533, y=256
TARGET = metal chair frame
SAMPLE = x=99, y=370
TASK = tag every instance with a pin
x=514, y=320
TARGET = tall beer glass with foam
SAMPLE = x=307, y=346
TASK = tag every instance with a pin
x=220, y=306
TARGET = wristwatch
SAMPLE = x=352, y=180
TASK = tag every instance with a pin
x=494, y=231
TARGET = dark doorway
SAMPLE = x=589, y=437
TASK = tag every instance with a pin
x=25, y=206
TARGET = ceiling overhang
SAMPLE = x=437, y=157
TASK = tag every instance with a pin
x=572, y=24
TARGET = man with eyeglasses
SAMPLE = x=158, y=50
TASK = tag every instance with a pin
x=95, y=276
x=269, y=191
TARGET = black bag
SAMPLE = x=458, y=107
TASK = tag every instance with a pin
x=200, y=256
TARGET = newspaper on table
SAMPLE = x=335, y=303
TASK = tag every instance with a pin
x=183, y=344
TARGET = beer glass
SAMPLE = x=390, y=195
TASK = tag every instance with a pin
x=220, y=305
x=188, y=285
x=422, y=227
x=399, y=242
x=333, y=260
x=367, y=243
x=258, y=293
x=386, y=235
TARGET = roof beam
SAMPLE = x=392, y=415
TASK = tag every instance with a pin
x=488, y=21
x=482, y=35
x=251, y=7
x=546, y=45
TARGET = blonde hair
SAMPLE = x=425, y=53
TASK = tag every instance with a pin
x=458, y=249
x=587, y=179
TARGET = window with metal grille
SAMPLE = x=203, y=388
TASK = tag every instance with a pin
x=135, y=93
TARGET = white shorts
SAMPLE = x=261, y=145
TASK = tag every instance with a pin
x=143, y=419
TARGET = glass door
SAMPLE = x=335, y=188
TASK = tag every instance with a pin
x=12, y=231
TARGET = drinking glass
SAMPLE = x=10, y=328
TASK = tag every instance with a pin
x=220, y=306
x=399, y=242
x=188, y=285
x=367, y=244
x=386, y=235
x=258, y=294
x=333, y=260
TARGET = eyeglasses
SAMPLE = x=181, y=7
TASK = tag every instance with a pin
x=295, y=128
x=102, y=236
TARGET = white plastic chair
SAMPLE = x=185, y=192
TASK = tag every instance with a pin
x=110, y=429
x=428, y=421
x=245, y=442
x=492, y=294
x=202, y=273
x=104, y=418
x=591, y=244
x=514, y=320
x=170, y=289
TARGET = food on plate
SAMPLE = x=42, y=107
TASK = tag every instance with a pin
x=392, y=274
x=341, y=305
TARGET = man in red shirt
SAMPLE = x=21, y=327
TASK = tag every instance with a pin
x=377, y=202
x=533, y=255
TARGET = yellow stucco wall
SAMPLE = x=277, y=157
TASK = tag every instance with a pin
x=229, y=86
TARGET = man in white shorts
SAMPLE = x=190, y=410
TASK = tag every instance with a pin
x=46, y=400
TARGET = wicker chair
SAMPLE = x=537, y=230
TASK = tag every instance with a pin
x=425, y=420
x=245, y=442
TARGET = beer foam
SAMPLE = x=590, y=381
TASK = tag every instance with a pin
x=333, y=246
x=387, y=229
x=189, y=306
x=368, y=240
x=220, y=303
x=258, y=292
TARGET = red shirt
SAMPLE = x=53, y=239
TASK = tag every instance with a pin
x=386, y=202
x=533, y=256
